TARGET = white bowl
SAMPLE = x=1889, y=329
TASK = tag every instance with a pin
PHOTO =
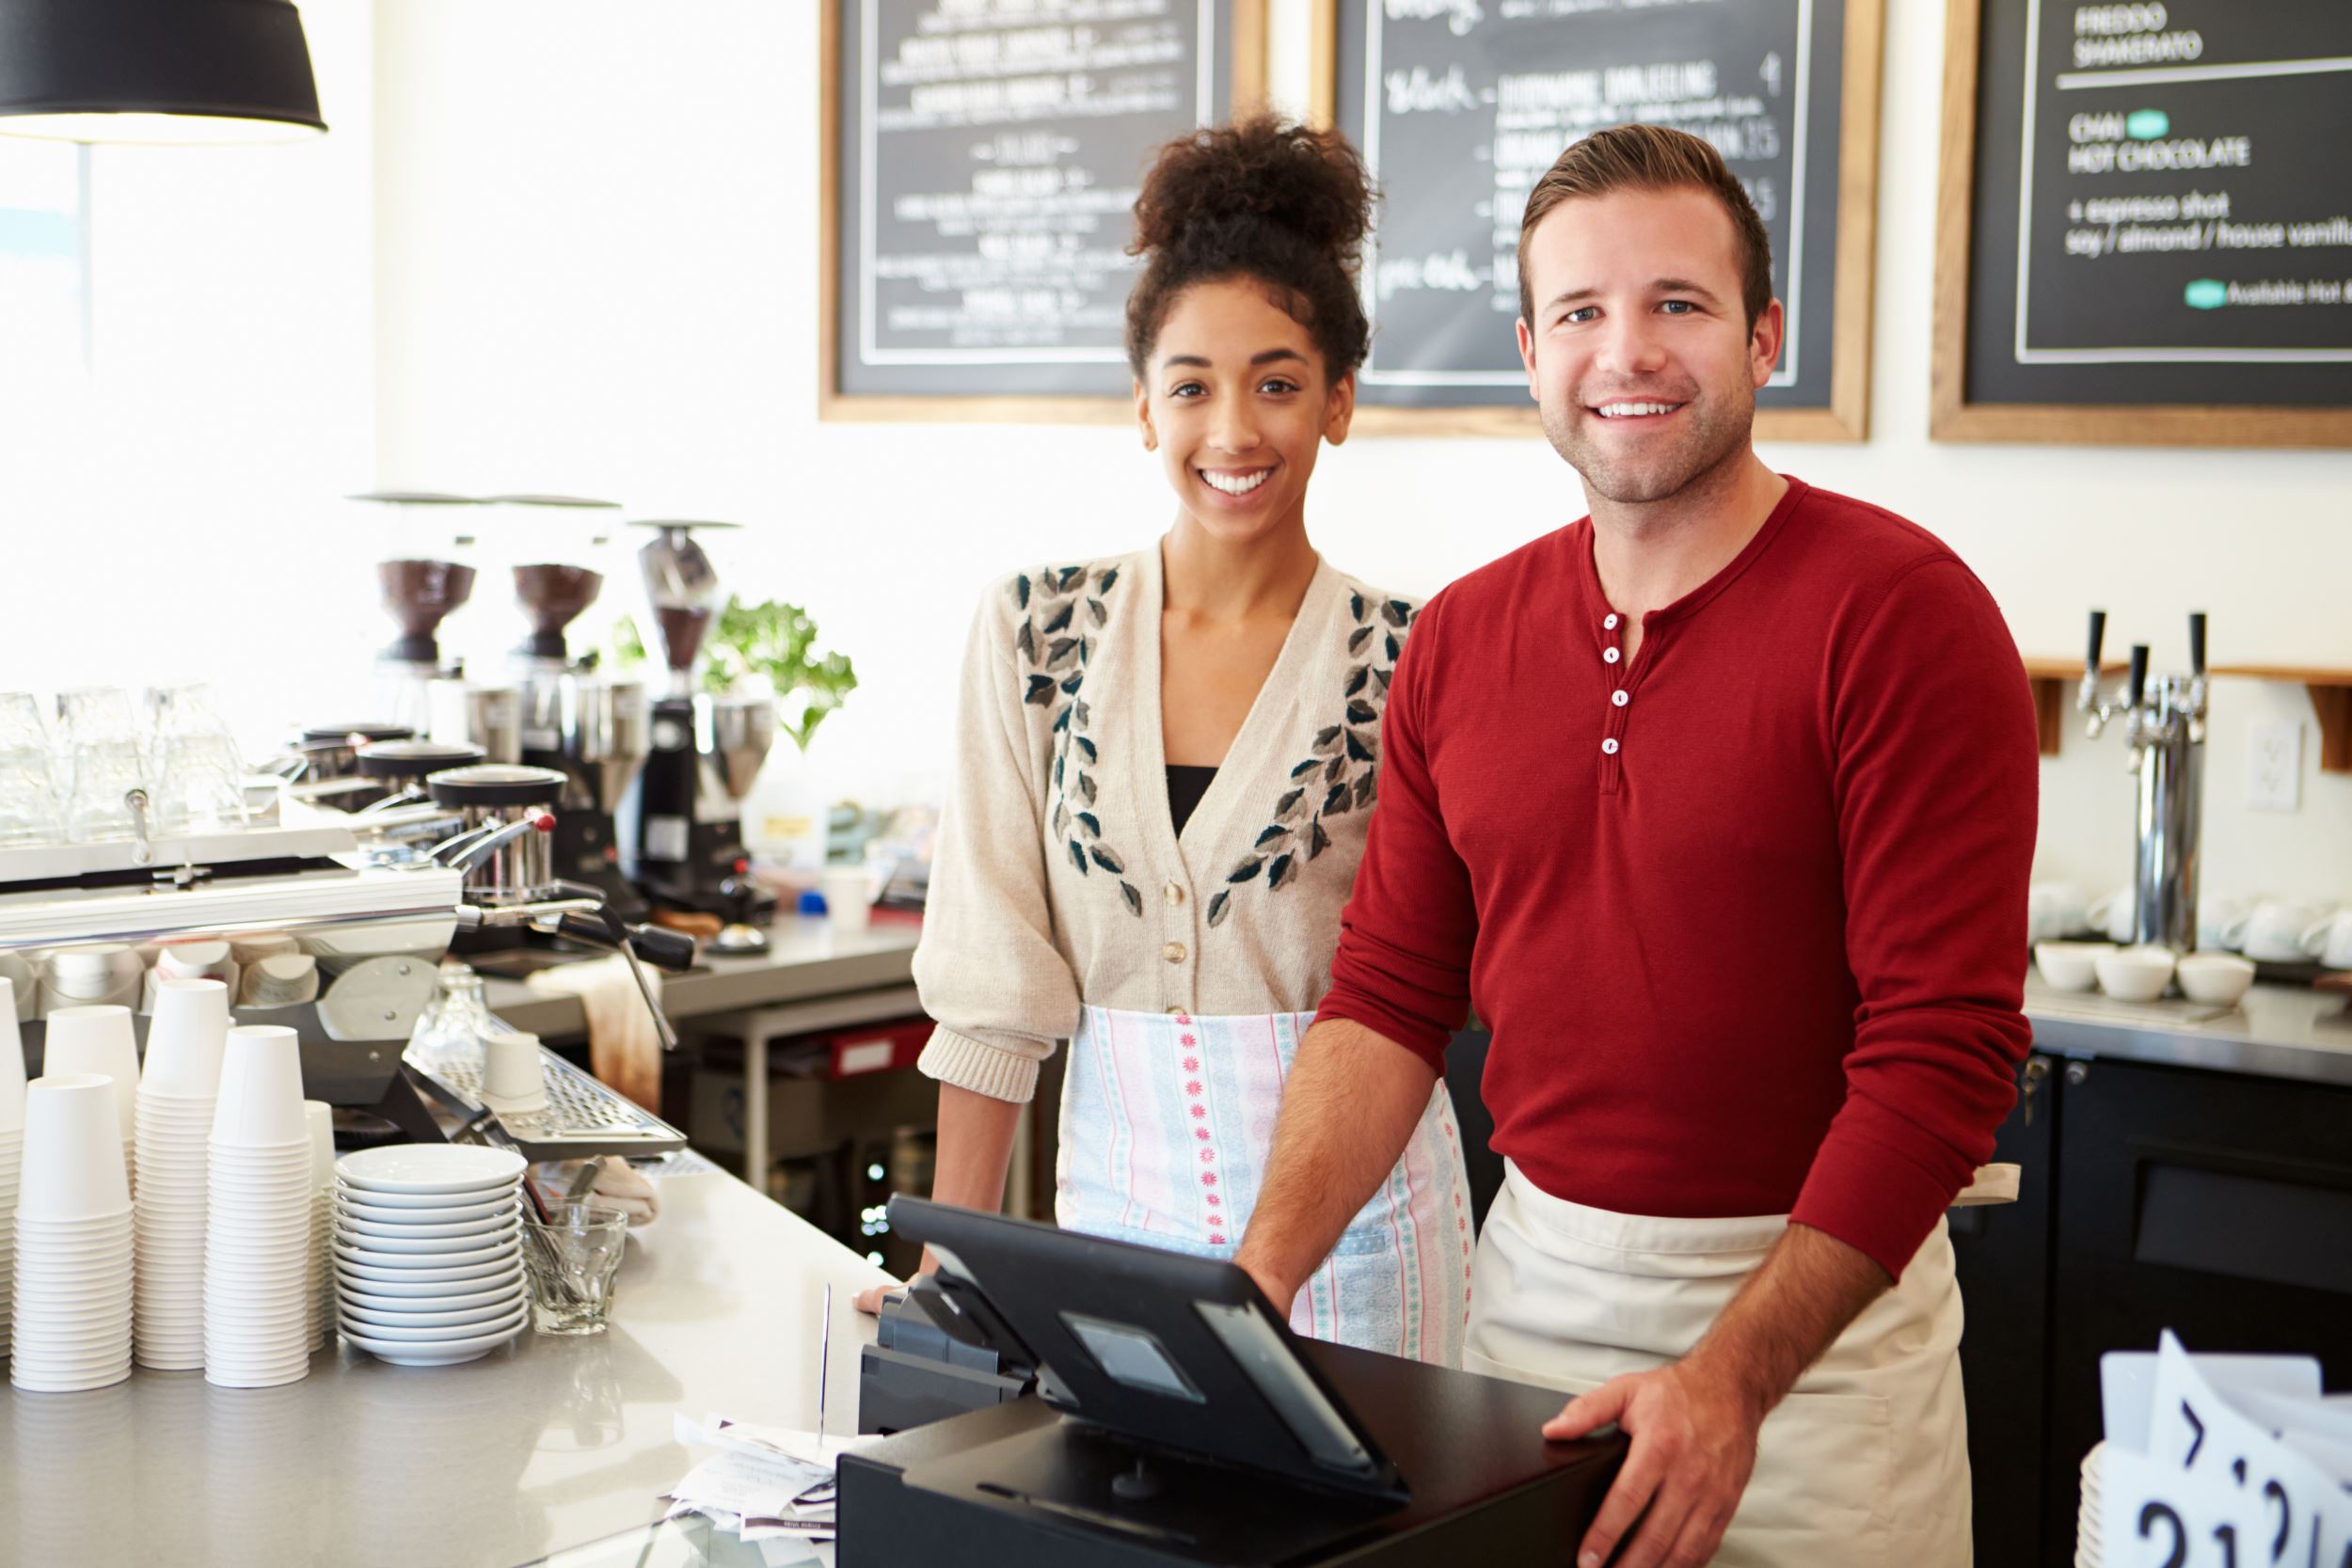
x=2217, y=978
x=2068, y=965
x=2135, y=973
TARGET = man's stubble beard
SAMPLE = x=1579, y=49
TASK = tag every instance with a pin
x=1719, y=431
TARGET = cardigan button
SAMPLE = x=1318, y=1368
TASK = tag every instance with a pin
x=1174, y=952
x=1175, y=892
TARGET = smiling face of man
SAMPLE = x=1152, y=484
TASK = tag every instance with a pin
x=1640, y=352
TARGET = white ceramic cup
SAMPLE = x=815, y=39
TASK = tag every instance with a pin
x=2216, y=979
x=2329, y=941
x=2272, y=931
x=2070, y=965
x=281, y=980
x=2055, y=910
x=848, y=892
x=2135, y=973
x=511, y=1072
x=260, y=1091
x=2113, y=914
x=2218, y=916
x=72, y=1151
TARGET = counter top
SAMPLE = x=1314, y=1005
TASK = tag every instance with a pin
x=544, y=1445
x=806, y=959
x=2275, y=1032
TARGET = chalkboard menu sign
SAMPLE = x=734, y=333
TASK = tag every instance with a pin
x=2147, y=222
x=982, y=160
x=1460, y=105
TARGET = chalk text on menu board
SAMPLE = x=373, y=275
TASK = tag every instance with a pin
x=1453, y=84
x=2185, y=196
x=1002, y=143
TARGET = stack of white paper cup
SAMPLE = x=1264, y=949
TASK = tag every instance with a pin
x=320, y=1118
x=12, y=1146
x=101, y=1039
x=177, y=1092
x=71, y=1328
x=258, y=1220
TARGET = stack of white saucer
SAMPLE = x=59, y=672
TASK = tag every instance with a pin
x=12, y=1146
x=102, y=1039
x=71, y=1327
x=178, y=1089
x=428, y=1251
x=258, y=1218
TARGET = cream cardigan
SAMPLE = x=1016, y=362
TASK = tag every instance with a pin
x=1058, y=881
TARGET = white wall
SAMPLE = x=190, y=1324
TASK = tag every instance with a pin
x=597, y=256
x=168, y=517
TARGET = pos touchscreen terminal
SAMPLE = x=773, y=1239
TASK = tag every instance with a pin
x=1177, y=1419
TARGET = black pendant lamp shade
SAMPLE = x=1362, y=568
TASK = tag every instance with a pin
x=156, y=71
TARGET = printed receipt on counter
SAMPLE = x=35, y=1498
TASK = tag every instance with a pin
x=772, y=1486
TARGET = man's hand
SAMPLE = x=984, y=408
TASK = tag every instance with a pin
x=1276, y=1291
x=1693, y=1430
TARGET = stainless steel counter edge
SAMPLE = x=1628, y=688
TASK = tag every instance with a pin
x=806, y=959
x=2276, y=1032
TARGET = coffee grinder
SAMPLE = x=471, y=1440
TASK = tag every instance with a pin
x=683, y=824
x=424, y=574
x=573, y=721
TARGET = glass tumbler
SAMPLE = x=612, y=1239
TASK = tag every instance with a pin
x=571, y=1259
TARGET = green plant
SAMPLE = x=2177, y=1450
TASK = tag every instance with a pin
x=775, y=640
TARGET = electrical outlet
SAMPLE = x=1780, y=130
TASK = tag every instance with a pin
x=2274, y=765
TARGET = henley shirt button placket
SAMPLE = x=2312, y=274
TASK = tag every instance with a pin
x=1613, y=726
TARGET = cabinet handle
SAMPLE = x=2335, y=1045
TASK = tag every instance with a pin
x=2037, y=1069
x=2077, y=1072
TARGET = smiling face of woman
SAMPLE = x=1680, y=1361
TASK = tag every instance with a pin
x=1237, y=404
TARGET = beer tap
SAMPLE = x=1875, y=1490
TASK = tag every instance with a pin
x=2164, y=727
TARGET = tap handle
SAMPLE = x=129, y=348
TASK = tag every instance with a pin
x=2197, y=643
x=2098, y=639
x=2140, y=673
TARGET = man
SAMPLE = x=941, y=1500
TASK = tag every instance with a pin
x=1720, y=803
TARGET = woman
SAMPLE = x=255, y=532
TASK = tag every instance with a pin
x=1166, y=763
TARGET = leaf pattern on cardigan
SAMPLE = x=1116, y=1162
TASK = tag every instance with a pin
x=1063, y=610
x=1340, y=775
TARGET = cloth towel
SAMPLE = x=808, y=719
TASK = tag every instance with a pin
x=623, y=1048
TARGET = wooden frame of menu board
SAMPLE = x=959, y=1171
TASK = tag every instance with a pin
x=1245, y=50
x=1953, y=418
x=1847, y=416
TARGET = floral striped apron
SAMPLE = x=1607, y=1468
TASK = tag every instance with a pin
x=1167, y=1121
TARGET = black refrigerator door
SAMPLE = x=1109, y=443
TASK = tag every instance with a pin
x=2002, y=1253
x=2216, y=1205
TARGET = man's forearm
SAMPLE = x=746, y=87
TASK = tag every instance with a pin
x=1349, y=1106
x=1791, y=1309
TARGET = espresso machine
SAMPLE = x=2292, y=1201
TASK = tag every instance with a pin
x=683, y=824
x=424, y=574
x=573, y=720
x=2164, y=719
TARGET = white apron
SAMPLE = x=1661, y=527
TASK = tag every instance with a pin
x=1865, y=1464
x=1166, y=1122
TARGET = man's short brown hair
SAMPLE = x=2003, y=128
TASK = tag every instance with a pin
x=1652, y=158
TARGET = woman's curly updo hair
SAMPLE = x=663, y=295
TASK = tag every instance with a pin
x=1260, y=198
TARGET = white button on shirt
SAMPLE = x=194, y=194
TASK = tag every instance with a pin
x=1619, y=698
x=1608, y=623
x=1609, y=653
x=1609, y=747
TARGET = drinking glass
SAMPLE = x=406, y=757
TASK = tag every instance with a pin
x=571, y=1259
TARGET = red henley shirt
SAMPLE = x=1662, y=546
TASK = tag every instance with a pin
x=1746, y=913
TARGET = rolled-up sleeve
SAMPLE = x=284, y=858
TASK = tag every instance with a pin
x=1406, y=936
x=1937, y=784
x=989, y=973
